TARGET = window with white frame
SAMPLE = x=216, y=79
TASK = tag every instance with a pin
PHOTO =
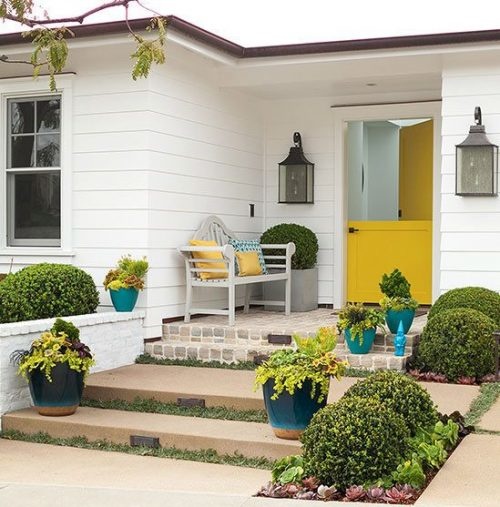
x=33, y=168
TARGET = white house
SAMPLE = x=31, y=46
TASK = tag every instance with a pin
x=135, y=166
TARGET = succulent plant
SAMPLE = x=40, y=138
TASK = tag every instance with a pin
x=326, y=492
x=311, y=483
x=466, y=380
x=375, y=494
x=355, y=493
x=399, y=494
x=306, y=495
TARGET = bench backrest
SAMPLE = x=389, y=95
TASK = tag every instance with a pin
x=214, y=229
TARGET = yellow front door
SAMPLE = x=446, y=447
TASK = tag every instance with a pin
x=390, y=207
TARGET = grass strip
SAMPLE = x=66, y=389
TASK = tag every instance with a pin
x=202, y=455
x=488, y=394
x=241, y=365
x=158, y=407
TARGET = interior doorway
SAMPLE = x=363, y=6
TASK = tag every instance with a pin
x=389, y=205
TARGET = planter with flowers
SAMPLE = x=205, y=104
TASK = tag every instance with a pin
x=397, y=302
x=359, y=325
x=55, y=366
x=296, y=382
x=125, y=281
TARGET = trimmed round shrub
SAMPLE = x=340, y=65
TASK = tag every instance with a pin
x=458, y=343
x=306, y=243
x=478, y=298
x=354, y=441
x=47, y=290
x=401, y=394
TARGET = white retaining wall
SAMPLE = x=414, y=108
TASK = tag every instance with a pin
x=115, y=339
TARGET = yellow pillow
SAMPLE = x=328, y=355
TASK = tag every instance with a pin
x=208, y=255
x=248, y=263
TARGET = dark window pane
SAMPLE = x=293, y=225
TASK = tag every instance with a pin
x=22, y=151
x=22, y=117
x=47, y=150
x=48, y=115
x=37, y=206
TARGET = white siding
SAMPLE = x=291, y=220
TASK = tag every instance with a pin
x=470, y=226
x=314, y=120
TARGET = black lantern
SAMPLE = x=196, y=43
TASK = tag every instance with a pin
x=296, y=176
x=476, y=162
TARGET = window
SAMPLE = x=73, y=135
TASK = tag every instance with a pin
x=33, y=169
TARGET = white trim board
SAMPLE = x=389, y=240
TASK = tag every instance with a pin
x=379, y=112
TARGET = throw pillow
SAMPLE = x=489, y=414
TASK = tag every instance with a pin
x=204, y=275
x=249, y=245
x=248, y=263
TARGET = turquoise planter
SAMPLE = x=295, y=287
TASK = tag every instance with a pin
x=59, y=397
x=354, y=345
x=124, y=300
x=392, y=318
x=289, y=415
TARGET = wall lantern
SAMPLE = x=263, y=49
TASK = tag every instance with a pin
x=476, y=162
x=296, y=176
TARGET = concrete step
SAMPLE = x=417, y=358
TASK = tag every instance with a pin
x=226, y=437
x=379, y=359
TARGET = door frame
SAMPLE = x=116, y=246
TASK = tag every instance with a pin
x=342, y=115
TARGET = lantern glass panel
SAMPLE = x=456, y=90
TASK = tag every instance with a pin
x=293, y=183
x=476, y=170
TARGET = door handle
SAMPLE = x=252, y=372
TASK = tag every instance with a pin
x=352, y=230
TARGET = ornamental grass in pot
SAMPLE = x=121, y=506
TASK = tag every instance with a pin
x=397, y=302
x=125, y=281
x=296, y=382
x=359, y=325
x=55, y=367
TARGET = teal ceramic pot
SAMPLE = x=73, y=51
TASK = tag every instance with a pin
x=392, y=318
x=289, y=415
x=124, y=300
x=59, y=397
x=354, y=345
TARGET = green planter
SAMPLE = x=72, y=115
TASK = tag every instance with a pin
x=393, y=317
x=354, y=345
x=59, y=397
x=124, y=300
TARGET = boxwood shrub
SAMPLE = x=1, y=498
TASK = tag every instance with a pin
x=456, y=343
x=401, y=394
x=354, y=441
x=47, y=290
x=478, y=298
x=306, y=243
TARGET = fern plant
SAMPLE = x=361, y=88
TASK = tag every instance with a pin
x=358, y=318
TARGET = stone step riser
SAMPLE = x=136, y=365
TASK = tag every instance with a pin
x=380, y=358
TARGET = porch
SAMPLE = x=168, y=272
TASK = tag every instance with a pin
x=210, y=338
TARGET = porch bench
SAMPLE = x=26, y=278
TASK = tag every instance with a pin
x=213, y=228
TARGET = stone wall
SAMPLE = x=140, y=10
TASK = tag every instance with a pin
x=115, y=339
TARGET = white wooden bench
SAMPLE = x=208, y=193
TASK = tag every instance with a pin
x=214, y=229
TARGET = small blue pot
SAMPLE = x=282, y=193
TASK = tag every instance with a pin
x=392, y=318
x=124, y=300
x=354, y=345
x=59, y=397
x=289, y=415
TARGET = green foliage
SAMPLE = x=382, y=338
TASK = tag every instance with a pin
x=49, y=350
x=306, y=243
x=128, y=273
x=488, y=394
x=3, y=276
x=197, y=363
x=401, y=394
x=288, y=469
x=395, y=285
x=354, y=441
x=409, y=472
x=66, y=327
x=149, y=51
x=477, y=298
x=359, y=318
x=457, y=343
x=47, y=290
x=291, y=368
x=398, y=304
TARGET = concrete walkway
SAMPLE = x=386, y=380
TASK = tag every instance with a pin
x=491, y=420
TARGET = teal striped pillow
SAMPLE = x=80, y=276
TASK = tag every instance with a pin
x=249, y=245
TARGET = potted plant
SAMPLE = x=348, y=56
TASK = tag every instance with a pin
x=125, y=281
x=397, y=302
x=296, y=382
x=304, y=271
x=359, y=325
x=55, y=366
